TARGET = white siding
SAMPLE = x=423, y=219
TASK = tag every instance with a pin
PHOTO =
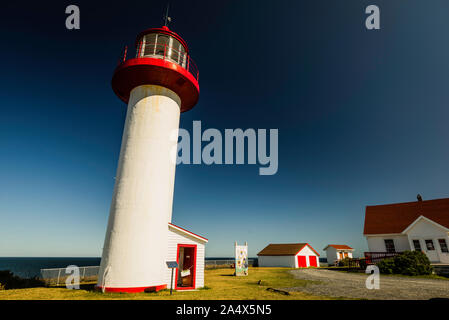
x=331, y=254
x=306, y=251
x=176, y=237
x=425, y=230
x=377, y=243
x=277, y=261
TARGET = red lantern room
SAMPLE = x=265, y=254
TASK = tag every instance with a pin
x=162, y=58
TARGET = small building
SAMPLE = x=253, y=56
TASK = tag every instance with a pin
x=188, y=250
x=291, y=255
x=337, y=252
x=419, y=225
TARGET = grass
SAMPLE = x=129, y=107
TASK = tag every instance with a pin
x=220, y=284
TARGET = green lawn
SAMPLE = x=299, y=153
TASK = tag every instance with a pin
x=220, y=285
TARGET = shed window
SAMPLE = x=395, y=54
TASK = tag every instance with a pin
x=389, y=245
x=417, y=245
x=429, y=245
x=443, y=245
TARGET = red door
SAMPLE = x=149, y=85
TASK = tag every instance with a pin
x=302, y=263
x=312, y=261
x=186, y=261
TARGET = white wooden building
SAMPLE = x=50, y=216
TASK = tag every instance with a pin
x=188, y=249
x=291, y=255
x=337, y=252
x=419, y=225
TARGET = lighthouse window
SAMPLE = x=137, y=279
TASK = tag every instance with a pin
x=164, y=46
x=176, y=47
x=149, y=44
x=163, y=42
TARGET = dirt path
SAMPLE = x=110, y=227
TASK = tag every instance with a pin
x=352, y=285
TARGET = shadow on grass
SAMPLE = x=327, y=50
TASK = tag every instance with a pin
x=10, y=281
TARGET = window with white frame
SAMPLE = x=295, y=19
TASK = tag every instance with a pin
x=389, y=245
x=443, y=245
x=417, y=245
x=429, y=245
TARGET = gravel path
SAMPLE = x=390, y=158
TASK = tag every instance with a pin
x=352, y=285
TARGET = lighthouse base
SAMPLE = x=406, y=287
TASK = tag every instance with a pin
x=133, y=289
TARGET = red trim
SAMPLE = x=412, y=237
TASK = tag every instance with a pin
x=187, y=231
x=134, y=289
x=340, y=246
x=152, y=71
x=194, y=266
x=309, y=247
x=164, y=30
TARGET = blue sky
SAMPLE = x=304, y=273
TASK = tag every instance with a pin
x=362, y=118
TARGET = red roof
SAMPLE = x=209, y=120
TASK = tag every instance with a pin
x=395, y=218
x=339, y=246
x=284, y=249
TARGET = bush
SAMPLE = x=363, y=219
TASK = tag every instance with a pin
x=362, y=264
x=9, y=281
x=411, y=263
x=344, y=262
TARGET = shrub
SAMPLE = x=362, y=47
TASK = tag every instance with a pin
x=411, y=263
x=344, y=262
x=386, y=266
x=9, y=281
x=362, y=263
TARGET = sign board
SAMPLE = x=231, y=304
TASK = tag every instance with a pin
x=241, y=260
x=172, y=264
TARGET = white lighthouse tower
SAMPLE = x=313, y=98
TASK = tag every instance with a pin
x=158, y=84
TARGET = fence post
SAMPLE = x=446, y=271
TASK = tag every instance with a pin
x=57, y=281
x=84, y=272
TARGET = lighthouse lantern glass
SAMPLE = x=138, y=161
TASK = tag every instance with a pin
x=163, y=46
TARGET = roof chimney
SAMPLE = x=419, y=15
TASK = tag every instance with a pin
x=419, y=197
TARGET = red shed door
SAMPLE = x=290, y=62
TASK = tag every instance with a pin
x=312, y=261
x=302, y=263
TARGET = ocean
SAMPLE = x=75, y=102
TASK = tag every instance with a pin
x=31, y=267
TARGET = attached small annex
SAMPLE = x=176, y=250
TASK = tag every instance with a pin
x=337, y=252
x=291, y=255
x=419, y=225
x=188, y=250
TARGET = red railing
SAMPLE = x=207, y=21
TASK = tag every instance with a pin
x=164, y=52
x=376, y=257
x=371, y=258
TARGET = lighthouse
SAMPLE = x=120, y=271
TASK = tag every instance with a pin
x=158, y=84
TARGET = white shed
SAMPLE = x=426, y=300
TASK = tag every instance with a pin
x=188, y=249
x=291, y=255
x=337, y=252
